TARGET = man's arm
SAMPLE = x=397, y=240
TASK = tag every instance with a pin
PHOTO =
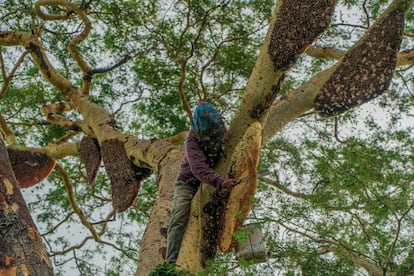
x=198, y=165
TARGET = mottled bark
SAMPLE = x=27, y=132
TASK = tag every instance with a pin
x=285, y=40
x=154, y=242
x=21, y=248
x=241, y=198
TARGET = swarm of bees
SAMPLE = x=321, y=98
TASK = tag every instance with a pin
x=365, y=72
x=298, y=24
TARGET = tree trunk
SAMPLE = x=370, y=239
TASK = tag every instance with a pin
x=153, y=245
x=21, y=248
x=285, y=40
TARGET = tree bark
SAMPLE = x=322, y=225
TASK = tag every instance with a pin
x=153, y=245
x=21, y=248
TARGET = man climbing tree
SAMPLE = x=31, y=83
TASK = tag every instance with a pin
x=203, y=147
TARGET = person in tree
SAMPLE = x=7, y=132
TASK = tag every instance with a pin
x=203, y=148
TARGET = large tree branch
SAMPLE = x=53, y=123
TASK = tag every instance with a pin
x=97, y=118
x=296, y=103
x=8, y=78
x=405, y=57
x=71, y=8
x=356, y=258
x=285, y=41
x=302, y=99
x=34, y=46
x=153, y=244
x=159, y=155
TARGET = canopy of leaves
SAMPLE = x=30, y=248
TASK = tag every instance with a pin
x=340, y=191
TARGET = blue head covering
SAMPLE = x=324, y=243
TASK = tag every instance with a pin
x=206, y=118
x=209, y=128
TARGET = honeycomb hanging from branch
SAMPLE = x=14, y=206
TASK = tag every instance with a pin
x=90, y=154
x=29, y=167
x=240, y=201
x=298, y=24
x=366, y=71
x=125, y=177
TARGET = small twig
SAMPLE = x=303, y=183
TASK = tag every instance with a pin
x=79, y=246
x=66, y=137
x=109, y=217
x=77, y=261
x=366, y=13
x=125, y=103
x=336, y=132
x=74, y=204
x=397, y=234
x=351, y=25
x=405, y=82
x=183, y=63
x=7, y=79
x=120, y=250
x=307, y=114
x=3, y=67
x=58, y=225
x=124, y=60
x=286, y=190
x=7, y=132
x=42, y=123
x=59, y=33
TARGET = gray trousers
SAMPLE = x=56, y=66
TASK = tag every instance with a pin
x=180, y=212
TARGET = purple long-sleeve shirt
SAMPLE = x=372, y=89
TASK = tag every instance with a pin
x=197, y=164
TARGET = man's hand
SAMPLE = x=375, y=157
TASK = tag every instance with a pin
x=228, y=184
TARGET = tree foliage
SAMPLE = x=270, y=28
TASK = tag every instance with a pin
x=339, y=198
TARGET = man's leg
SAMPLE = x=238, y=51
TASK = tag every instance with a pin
x=180, y=212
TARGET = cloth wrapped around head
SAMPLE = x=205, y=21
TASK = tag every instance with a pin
x=208, y=127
